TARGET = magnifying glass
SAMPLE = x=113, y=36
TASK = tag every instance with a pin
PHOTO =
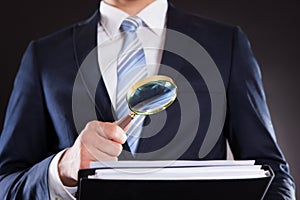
x=149, y=96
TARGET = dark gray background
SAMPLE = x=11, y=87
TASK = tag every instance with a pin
x=273, y=28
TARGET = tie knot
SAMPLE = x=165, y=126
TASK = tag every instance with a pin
x=131, y=23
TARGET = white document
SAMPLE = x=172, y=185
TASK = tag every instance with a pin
x=169, y=163
x=178, y=170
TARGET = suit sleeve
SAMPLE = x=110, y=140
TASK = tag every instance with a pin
x=25, y=141
x=251, y=134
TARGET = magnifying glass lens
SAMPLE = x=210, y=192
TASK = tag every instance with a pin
x=149, y=96
x=152, y=97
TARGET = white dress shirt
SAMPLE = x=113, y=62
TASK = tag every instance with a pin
x=152, y=37
x=110, y=40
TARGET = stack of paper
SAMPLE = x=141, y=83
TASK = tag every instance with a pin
x=178, y=170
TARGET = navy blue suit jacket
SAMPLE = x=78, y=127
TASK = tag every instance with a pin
x=39, y=121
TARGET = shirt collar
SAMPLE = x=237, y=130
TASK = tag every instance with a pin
x=154, y=16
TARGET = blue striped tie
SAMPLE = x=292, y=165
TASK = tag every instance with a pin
x=131, y=68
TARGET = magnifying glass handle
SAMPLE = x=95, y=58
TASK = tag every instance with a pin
x=125, y=121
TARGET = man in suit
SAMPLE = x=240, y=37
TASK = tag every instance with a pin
x=41, y=146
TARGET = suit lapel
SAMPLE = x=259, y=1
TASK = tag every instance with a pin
x=86, y=55
x=175, y=22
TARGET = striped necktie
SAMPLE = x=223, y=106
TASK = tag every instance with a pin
x=131, y=68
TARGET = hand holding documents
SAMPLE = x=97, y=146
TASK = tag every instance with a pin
x=215, y=179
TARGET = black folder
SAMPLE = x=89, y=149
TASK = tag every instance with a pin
x=239, y=189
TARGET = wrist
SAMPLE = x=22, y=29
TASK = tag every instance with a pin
x=66, y=170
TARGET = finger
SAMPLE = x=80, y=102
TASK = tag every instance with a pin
x=110, y=147
x=101, y=156
x=108, y=130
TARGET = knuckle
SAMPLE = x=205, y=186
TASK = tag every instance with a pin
x=86, y=136
x=118, y=149
x=112, y=131
x=91, y=124
x=114, y=149
x=113, y=135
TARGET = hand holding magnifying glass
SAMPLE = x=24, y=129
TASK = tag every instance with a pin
x=149, y=96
